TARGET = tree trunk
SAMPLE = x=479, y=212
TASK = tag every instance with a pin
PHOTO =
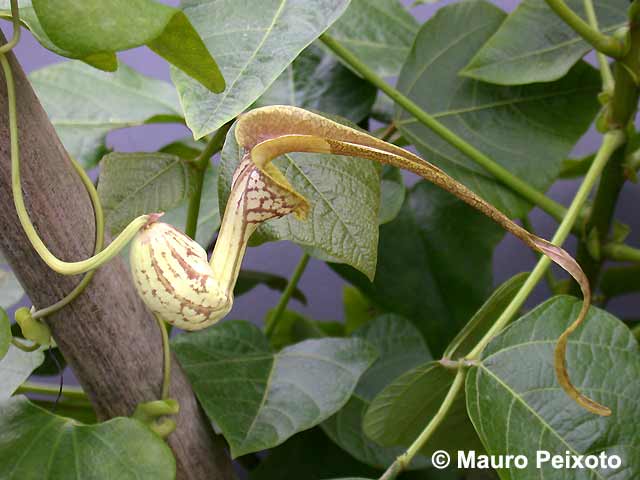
x=109, y=339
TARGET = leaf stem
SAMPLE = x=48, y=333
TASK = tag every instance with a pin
x=43, y=389
x=606, y=44
x=621, y=252
x=603, y=63
x=611, y=142
x=201, y=163
x=286, y=295
x=499, y=172
x=404, y=460
x=166, y=359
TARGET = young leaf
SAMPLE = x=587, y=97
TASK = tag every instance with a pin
x=434, y=264
x=392, y=194
x=378, y=32
x=37, y=444
x=400, y=412
x=344, y=194
x=84, y=104
x=316, y=80
x=10, y=289
x=244, y=36
x=513, y=394
x=484, y=318
x=15, y=367
x=94, y=27
x=358, y=309
x=293, y=327
x=5, y=333
x=104, y=61
x=544, y=121
x=133, y=184
x=259, y=398
x=400, y=348
x=535, y=45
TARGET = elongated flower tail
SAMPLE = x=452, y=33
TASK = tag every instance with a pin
x=568, y=263
x=173, y=277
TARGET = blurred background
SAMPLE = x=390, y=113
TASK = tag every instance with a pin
x=323, y=287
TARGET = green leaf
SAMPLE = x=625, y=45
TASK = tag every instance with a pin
x=434, y=264
x=484, y=318
x=94, y=27
x=529, y=130
x=84, y=104
x=316, y=80
x=36, y=444
x=358, y=309
x=15, y=368
x=10, y=289
x=209, y=215
x=133, y=184
x=309, y=455
x=344, y=194
x=518, y=407
x=259, y=399
x=293, y=327
x=103, y=61
x=250, y=279
x=243, y=36
x=535, y=45
x=392, y=194
x=404, y=408
x=400, y=347
x=5, y=333
x=378, y=32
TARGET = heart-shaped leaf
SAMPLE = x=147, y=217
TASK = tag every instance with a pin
x=133, y=184
x=243, y=36
x=543, y=121
x=518, y=407
x=378, y=32
x=96, y=27
x=344, y=194
x=535, y=45
x=84, y=104
x=404, y=408
x=36, y=444
x=400, y=348
x=104, y=61
x=15, y=367
x=316, y=80
x=259, y=398
x=434, y=264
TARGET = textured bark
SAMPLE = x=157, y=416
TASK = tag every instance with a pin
x=109, y=339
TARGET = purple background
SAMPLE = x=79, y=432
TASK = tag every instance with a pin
x=323, y=287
